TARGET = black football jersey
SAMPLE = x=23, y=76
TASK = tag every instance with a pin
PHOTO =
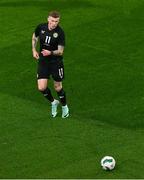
x=50, y=39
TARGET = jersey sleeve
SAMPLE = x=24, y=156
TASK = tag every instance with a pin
x=61, y=40
x=37, y=30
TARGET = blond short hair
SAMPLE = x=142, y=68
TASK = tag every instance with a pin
x=54, y=14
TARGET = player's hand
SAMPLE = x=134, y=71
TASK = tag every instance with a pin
x=35, y=54
x=46, y=52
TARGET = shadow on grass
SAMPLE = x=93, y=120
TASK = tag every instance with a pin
x=18, y=73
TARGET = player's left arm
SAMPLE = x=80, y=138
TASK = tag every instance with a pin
x=58, y=52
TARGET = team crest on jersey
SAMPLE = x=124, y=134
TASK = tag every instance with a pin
x=42, y=31
x=55, y=35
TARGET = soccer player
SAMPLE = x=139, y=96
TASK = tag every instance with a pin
x=50, y=60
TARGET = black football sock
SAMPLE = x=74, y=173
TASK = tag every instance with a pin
x=47, y=94
x=62, y=97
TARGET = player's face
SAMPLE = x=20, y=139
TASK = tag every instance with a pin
x=52, y=22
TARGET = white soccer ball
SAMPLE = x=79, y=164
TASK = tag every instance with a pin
x=108, y=163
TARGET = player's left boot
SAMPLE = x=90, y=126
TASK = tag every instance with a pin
x=65, y=111
x=54, y=106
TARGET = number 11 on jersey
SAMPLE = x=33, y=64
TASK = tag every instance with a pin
x=47, y=40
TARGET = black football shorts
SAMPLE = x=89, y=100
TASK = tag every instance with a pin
x=54, y=69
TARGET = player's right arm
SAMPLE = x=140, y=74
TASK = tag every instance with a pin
x=34, y=45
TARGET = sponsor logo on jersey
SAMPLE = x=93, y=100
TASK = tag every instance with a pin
x=55, y=35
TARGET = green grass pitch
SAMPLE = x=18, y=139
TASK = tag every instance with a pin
x=104, y=64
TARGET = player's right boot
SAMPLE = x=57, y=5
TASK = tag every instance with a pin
x=54, y=106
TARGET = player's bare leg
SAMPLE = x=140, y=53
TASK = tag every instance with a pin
x=43, y=88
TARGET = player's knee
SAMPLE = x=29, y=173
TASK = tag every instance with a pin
x=41, y=88
x=58, y=87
